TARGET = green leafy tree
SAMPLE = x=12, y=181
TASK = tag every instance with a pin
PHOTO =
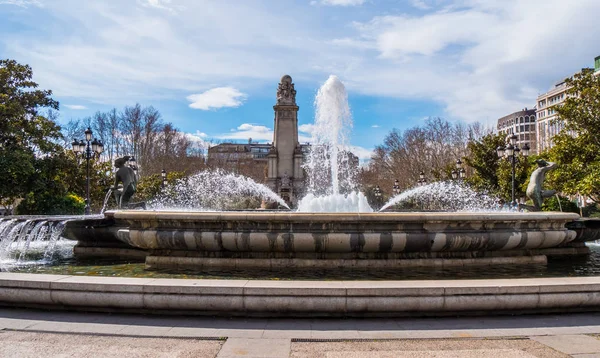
x=57, y=186
x=576, y=148
x=493, y=175
x=25, y=134
x=565, y=205
x=483, y=158
x=149, y=187
x=20, y=103
x=524, y=166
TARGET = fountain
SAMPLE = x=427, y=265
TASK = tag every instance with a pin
x=333, y=227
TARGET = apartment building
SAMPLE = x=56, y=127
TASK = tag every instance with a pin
x=522, y=124
x=546, y=114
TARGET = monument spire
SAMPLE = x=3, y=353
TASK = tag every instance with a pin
x=284, y=173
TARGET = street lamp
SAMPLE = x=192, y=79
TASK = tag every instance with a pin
x=377, y=192
x=511, y=151
x=396, y=187
x=459, y=172
x=88, y=150
x=422, y=181
x=163, y=174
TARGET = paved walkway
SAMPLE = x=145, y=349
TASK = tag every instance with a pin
x=563, y=335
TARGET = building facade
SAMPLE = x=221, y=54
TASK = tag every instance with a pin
x=279, y=163
x=547, y=126
x=522, y=124
x=546, y=115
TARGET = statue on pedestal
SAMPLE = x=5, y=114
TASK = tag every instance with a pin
x=536, y=182
x=125, y=176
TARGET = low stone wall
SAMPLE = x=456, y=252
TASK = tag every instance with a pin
x=301, y=298
x=380, y=233
x=272, y=240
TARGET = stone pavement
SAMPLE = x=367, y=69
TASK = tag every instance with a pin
x=33, y=333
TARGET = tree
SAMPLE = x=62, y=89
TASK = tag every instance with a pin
x=25, y=134
x=432, y=148
x=483, y=158
x=493, y=175
x=576, y=148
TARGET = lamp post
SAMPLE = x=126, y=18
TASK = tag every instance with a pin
x=459, y=171
x=422, y=181
x=511, y=151
x=163, y=174
x=88, y=150
x=377, y=192
x=396, y=187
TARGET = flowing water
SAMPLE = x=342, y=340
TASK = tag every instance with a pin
x=330, y=166
x=27, y=241
x=444, y=196
x=106, y=199
x=214, y=190
x=575, y=266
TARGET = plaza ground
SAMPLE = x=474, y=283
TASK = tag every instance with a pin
x=33, y=333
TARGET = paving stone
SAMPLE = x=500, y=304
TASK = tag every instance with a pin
x=264, y=348
x=240, y=333
x=471, y=353
x=571, y=344
x=145, y=331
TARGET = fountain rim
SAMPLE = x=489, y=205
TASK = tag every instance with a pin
x=337, y=217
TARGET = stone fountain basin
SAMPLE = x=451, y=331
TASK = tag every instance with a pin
x=293, y=232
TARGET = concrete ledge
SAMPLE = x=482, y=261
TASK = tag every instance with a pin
x=301, y=298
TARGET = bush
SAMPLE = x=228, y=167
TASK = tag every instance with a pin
x=567, y=206
x=69, y=204
x=591, y=211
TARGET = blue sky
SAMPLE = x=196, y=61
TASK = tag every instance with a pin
x=212, y=66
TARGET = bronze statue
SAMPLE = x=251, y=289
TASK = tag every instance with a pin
x=536, y=182
x=126, y=176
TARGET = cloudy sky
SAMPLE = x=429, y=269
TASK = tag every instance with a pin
x=212, y=66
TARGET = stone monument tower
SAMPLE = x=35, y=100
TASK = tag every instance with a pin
x=285, y=174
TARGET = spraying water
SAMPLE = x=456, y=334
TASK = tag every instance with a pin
x=32, y=241
x=445, y=196
x=214, y=190
x=106, y=198
x=330, y=166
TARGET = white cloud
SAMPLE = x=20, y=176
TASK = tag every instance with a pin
x=22, y=3
x=216, y=98
x=477, y=59
x=158, y=4
x=375, y=126
x=75, y=106
x=363, y=154
x=246, y=131
x=306, y=128
x=199, y=140
x=338, y=2
x=420, y=4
